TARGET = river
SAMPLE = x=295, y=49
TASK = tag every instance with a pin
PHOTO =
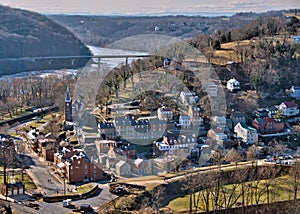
x=95, y=50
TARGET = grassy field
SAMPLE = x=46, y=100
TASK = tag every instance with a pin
x=29, y=184
x=42, y=121
x=21, y=112
x=85, y=188
x=280, y=190
x=228, y=52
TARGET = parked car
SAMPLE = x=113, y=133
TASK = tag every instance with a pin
x=268, y=160
x=67, y=202
x=83, y=207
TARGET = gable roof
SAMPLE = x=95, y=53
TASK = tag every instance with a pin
x=233, y=80
x=290, y=104
x=121, y=163
x=245, y=126
x=296, y=87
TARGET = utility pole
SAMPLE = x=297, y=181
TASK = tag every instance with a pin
x=64, y=187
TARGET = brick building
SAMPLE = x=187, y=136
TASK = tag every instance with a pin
x=268, y=125
x=75, y=166
x=103, y=146
x=47, y=148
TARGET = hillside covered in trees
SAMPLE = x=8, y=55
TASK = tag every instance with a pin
x=28, y=34
x=104, y=30
x=263, y=51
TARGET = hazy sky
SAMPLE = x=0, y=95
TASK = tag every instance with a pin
x=113, y=7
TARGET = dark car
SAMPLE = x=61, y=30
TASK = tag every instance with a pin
x=83, y=207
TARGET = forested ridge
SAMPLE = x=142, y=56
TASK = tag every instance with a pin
x=104, y=30
x=29, y=34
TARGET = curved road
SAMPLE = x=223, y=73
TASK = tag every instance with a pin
x=41, y=174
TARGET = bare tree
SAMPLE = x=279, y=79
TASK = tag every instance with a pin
x=53, y=126
x=156, y=197
x=4, y=128
x=252, y=153
x=233, y=155
x=217, y=157
x=295, y=178
x=230, y=196
x=202, y=199
x=189, y=186
x=270, y=173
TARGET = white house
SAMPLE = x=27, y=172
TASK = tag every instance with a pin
x=188, y=98
x=246, y=133
x=233, y=85
x=156, y=28
x=289, y=109
x=184, y=121
x=161, y=147
x=165, y=113
x=295, y=92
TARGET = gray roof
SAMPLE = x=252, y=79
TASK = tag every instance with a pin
x=68, y=96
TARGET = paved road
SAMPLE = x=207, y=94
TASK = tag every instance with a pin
x=97, y=201
x=57, y=208
x=41, y=172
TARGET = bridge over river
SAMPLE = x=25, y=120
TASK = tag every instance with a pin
x=72, y=60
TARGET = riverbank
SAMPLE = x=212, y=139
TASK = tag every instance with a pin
x=25, y=118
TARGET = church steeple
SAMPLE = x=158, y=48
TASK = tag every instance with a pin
x=68, y=96
x=68, y=106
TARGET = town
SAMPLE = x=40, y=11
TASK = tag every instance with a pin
x=150, y=134
x=167, y=141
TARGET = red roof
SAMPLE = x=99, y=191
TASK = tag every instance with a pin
x=290, y=104
x=269, y=119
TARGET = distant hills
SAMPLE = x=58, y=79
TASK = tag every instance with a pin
x=29, y=34
x=104, y=30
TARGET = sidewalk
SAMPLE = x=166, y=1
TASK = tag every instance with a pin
x=7, y=198
x=39, y=188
